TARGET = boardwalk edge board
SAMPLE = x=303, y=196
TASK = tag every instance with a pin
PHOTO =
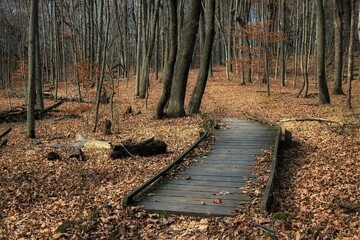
x=129, y=198
x=268, y=192
x=267, y=197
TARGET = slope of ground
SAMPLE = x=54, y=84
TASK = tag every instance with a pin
x=319, y=173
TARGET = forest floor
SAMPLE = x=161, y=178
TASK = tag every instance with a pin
x=71, y=199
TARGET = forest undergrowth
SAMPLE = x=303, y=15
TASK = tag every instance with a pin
x=71, y=199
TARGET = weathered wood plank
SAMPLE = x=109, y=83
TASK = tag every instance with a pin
x=206, y=183
x=193, y=200
x=202, y=177
x=209, y=189
x=182, y=209
x=242, y=197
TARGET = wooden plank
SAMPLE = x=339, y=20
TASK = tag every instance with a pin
x=256, y=147
x=205, y=168
x=187, y=209
x=241, y=160
x=193, y=189
x=191, y=200
x=218, y=173
x=223, y=178
x=236, y=151
x=209, y=169
x=229, y=157
x=207, y=183
x=218, y=164
x=239, y=197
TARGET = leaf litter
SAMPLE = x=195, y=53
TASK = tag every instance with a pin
x=71, y=199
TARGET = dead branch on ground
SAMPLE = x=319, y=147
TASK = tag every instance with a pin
x=321, y=120
x=5, y=132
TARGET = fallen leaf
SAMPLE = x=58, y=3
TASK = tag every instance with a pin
x=217, y=201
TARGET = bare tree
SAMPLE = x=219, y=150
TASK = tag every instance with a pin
x=150, y=42
x=183, y=61
x=33, y=25
x=169, y=69
x=350, y=66
x=195, y=101
x=324, y=97
x=338, y=58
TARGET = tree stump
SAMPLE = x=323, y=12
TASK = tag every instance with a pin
x=107, y=127
x=129, y=148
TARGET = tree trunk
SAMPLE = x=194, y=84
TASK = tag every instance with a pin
x=198, y=92
x=169, y=70
x=145, y=68
x=33, y=25
x=324, y=97
x=138, y=48
x=350, y=67
x=283, y=49
x=338, y=61
x=101, y=80
x=39, y=82
x=183, y=61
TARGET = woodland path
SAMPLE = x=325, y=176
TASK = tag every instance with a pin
x=212, y=184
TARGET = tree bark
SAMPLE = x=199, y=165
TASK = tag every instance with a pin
x=169, y=69
x=195, y=101
x=145, y=68
x=350, y=66
x=33, y=24
x=338, y=61
x=183, y=61
x=101, y=80
x=324, y=97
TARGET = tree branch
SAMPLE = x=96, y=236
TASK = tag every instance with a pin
x=321, y=120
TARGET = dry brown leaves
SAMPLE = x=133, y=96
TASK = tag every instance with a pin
x=38, y=196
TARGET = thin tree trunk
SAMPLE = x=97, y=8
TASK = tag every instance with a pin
x=101, y=80
x=138, y=48
x=283, y=43
x=145, y=68
x=169, y=69
x=324, y=97
x=33, y=25
x=39, y=82
x=338, y=58
x=350, y=67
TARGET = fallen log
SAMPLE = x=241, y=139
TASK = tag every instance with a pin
x=5, y=132
x=18, y=114
x=320, y=120
x=49, y=95
x=82, y=142
x=41, y=114
x=147, y=147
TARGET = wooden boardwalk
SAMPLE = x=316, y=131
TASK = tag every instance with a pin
x=220, y=175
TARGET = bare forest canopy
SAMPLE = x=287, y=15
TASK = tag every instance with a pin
x=88, y=43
